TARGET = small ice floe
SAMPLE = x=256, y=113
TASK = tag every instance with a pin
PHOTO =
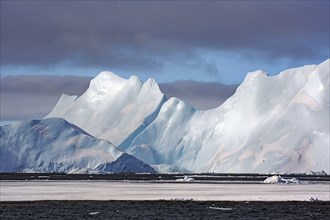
x=186, y=179
x=93, y=213
x=278, y=179
x=221, y=208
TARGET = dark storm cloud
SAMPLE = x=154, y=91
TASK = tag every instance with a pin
x=26, y=97
x=142, y=34
x=71, y=85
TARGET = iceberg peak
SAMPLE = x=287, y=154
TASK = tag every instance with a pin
x=112, y=108
x=107, y=82
x=256, y=74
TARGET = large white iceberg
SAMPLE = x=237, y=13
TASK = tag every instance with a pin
x=271, y=124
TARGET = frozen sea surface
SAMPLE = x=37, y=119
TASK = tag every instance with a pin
x=126, y=190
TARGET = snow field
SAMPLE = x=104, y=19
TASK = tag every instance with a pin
x=105, y=190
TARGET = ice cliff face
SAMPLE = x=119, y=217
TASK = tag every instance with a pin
x=271, y=124
x=54, y=145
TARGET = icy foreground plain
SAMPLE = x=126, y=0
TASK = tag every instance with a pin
x=104, y=190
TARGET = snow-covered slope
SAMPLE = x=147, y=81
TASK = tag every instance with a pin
x=54, y=145
x=271, y=124
x=112, y=108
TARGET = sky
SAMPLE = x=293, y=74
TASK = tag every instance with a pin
x=198, y=51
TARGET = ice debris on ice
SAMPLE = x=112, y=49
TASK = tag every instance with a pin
x=186, y=179
x=278, y=179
